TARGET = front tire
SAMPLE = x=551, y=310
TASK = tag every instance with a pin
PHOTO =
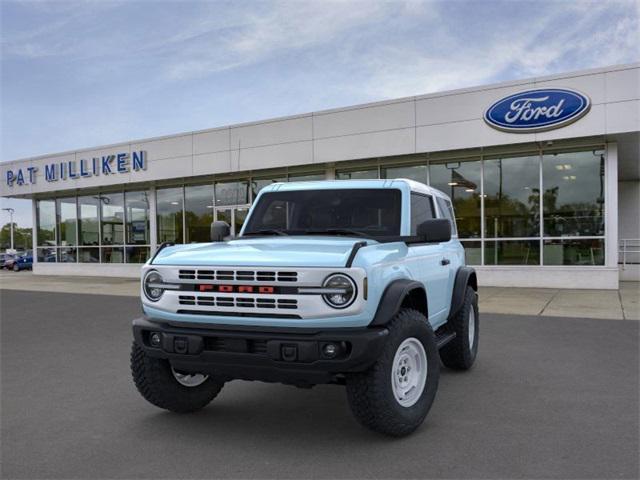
x=166, y=388
x=460, y=353
x=394, y=396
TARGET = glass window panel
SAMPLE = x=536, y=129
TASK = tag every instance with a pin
x=112, y=254
x=46, y=218
x=461, y=181
x=67, y=213
x=198, y=212
x=473, y=252
x=112, y=218
x=357, y=174
x=512, y=252
x=137, y=254
x=232, y=193
x=137, y=218
x=574, y=252
x=88, y=220
x=573, y=198
x=240, y=215
x=47, y=254
x=447, y=212
x=512, y=197
x=89, y=255
x=67, y=254
x=412, y=172
x=169, y=207
x=421, y=211
x=258, y=184
x=308, y=177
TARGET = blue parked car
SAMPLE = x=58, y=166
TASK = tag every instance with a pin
x=358, y=283
x=23, y=262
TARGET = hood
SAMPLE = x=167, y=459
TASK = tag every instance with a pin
x=294, y=251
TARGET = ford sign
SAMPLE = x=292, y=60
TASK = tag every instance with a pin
x=537, y=110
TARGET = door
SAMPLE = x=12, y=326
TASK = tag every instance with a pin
x=234, y=216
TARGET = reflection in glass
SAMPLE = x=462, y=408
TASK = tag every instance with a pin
x=88, y=220
x=112, y=255
x=169, y=207
x=573, y=198
x=512, y=252
x=258, y=184
x=46, y=218
x=198, y=212
x=137, y=254
x=67, y=255
x=112, y=218
x=461, y=181
x=512, y=197
x=232, y=193
x=574, y=252
x=307, y=177
x=47, y=254
x=89, y=255
x=240, y=215
x=473, y=252
x=370, y=173
x=413, y=172
x=67, y=212
x=137, y=218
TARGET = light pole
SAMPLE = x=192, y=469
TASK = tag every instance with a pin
x=11, y=212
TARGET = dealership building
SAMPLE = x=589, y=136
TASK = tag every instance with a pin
x=543, y=172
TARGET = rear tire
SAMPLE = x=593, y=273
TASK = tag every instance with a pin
x=460, y=353
x=157, y=383
x=382, y=398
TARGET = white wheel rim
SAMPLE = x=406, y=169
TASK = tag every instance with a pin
x=188, y=379
x=472, y=328
x=409, y=372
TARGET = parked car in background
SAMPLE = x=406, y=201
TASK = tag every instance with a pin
x=7, y=260
x=23, y=262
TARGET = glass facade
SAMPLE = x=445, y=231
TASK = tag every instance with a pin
x=502, y=218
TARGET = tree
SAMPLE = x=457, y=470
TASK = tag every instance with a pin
x=21, y=237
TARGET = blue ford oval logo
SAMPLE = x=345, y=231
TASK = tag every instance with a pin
x=537, y=110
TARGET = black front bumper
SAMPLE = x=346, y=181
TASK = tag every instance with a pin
x=293, y=356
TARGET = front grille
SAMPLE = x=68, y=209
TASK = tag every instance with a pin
x=236, y=345
x=238, y=302
x=238, y=275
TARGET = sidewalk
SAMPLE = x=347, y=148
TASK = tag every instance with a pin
x=623, y=304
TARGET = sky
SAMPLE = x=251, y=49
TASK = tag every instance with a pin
x=87, y=73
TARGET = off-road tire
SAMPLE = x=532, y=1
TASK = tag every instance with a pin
x=370, y=393
x=156, y=383
x=458, y=354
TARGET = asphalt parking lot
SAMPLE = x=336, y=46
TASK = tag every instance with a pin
x=547, y=398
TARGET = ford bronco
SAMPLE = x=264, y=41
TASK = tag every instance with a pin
x=360, y=283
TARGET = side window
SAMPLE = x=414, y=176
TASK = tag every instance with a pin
x=447, y=211
x=421, y=210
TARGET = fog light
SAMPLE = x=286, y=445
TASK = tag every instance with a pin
x=330, y=350
x=155, y=339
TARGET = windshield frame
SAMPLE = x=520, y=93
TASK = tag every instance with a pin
x=249, y=230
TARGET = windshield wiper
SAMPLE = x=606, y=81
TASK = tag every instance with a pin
x=267, y=231
x=337, y=231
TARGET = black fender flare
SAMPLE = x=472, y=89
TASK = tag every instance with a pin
x=392, y=298
x=465, y=276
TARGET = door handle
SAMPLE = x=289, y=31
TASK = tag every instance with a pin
x=445, y=261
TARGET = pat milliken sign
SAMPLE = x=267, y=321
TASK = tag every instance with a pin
x=117, y=163
x=537, y=110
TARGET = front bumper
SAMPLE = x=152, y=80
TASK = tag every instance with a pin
x=286, y=355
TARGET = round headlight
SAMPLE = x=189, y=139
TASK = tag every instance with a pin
x=152, y=286
x=340, y=290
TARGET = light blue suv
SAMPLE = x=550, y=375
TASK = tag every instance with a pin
x=359, y=283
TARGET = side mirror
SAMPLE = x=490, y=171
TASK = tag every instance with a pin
x=219, y=230
x=436, y=230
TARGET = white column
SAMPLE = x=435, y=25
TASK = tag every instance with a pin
x=330, y=172
x=34, y=230
x=611, y=205
x=153, y=218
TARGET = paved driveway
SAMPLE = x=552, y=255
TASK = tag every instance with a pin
x=548, y=397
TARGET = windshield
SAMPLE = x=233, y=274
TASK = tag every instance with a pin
x=355, y=212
